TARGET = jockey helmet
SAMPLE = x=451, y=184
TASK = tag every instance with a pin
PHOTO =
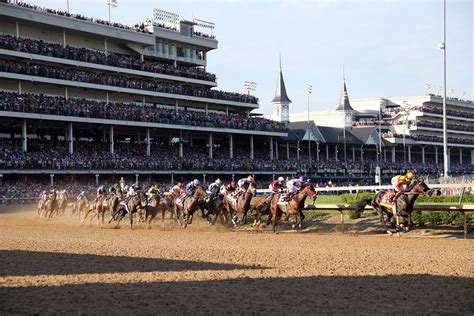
x=44, y=192
x=281, y=179
x=126, y=187
x=410, y=175
x=196, y=182
x=218, y=182
x=250, y=178
x=302, y=179
x=179, y=184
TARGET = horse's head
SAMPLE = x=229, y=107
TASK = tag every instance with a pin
x=252, y=188
x=200, y=192
x=308, y=189
x=421, y=188
x=118, y=192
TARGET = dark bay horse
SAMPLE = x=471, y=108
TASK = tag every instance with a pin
x=189, y=206
x=262, y=207
x=241, y=204
x=130, y=205
x=214, y=208
x=158, y=203
x=295, y=205
x=62, y=203
x=403, y=204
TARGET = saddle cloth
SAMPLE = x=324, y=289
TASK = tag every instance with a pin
x=386, y=197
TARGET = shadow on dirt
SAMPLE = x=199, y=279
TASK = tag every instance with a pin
x=24, y=263
x=395, y=294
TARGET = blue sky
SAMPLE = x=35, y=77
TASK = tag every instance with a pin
x=389, y=48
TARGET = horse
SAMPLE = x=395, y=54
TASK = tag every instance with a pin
x=241, y=204
x=109, y=203
x=62, y=203
x=96, y=209
x=189, y=206
x=293, y=207
x=130, y=205
x=49, y=207
x=262, y=207
x=41, y=204
x=80, y=205
x=403, y=204
x=156, y=204
x=213, y=207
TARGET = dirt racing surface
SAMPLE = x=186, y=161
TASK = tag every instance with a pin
x=58, y=266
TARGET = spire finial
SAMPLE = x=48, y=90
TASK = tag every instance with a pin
x=343, y=73
x=280, y=60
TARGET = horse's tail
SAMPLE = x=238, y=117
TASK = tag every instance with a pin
x=359, y=207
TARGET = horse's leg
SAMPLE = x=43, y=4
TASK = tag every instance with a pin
x=85, y=215
x=131, y=219
x=276, y=219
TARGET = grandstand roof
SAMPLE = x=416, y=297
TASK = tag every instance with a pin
x=298, y=131
x=344, y=103
x=335, y=135
x=368, y=135
x=280, y=93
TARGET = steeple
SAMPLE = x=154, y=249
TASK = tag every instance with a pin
x=281, y=102
x=344, y=103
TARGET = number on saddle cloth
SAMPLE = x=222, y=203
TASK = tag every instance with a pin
x=388, y=197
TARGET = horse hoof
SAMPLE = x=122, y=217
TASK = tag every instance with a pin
x=389, y=232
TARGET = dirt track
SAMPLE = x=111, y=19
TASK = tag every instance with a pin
x=59, y=266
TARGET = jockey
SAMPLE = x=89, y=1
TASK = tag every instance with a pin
x=176, y=190
x=294, y=185
x=214, y=188
x=402, y=182
x=52, y=194
x=133, y=189
x=80, y=195
x=277, y=185
x=44, y=195
x=152, y=191
x=101, y=190
x=242, y=182
x=113, y=188
x=192, y=186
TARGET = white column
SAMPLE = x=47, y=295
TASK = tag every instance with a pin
x=362, y=153
x=287, y=151
x=211, y=144
x=472, y=156
x=327, y=152
x=207, y=109
x=385, y=154
x=353, y=153
x=51, y=176
x=24, y=137
x=64, y=38
x=227, y=110
x=107, y=97
x=460, y=156
x=176, y=105
x=423, y=154
x=449, y=158
x=409, y=153
x=136, y=177
x=335, y=152
x=276, y=150
x=96, y=179
x=142, y=58
x=298, y=150
x=181, y=154
x=66, y=94
x=393, y=154
x=231, y=146
x=71, y=139
x=105, y=46
x=19, y=87
x=143, y=100
x=251, y=147
x=111, y=139
x=271, y=148
x=17, y=28
x=148, y=142
x=317, y=151
x=436, y=154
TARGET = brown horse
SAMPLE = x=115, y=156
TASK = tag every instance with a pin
x=241, y=204
x=62, y=203
x=130, y=205
x=403, y=204
x=262, y=207
x=49, y=207
x=95, y=209
x=294, y=207
x=109, y=203
x=79, y=206
x=157, y=203
x=189, y=206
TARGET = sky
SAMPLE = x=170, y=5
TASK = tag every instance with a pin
x=388, y=48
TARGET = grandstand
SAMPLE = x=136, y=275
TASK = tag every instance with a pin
x=81, y=95
x=96, y=100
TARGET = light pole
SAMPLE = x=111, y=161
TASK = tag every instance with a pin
x=67, y=6
x=111, y=3
x=445, y=131
x=406, y=111
x=310, y=90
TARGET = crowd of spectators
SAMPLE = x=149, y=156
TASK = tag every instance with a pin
x=41, y=47
x=74, y=74
x=417, y=122
x=42, y=104
x=137, y=27
x=431, y=138
x=391, y=112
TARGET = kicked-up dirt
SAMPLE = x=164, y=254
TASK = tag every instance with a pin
x=60, y=267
